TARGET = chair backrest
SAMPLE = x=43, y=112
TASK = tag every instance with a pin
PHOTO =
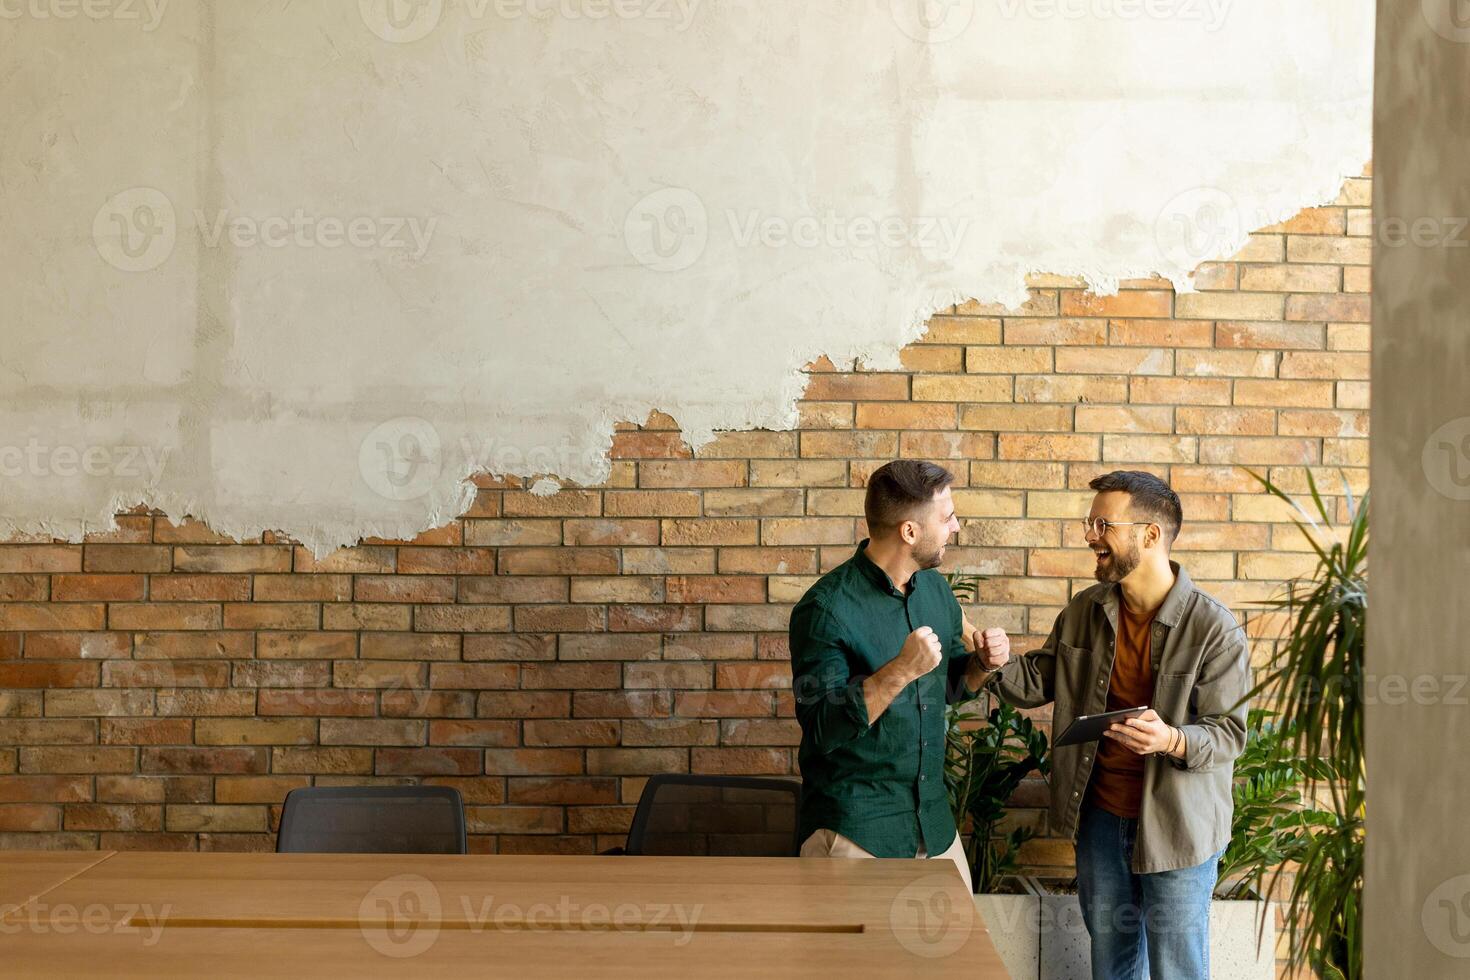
x=373, y=820
x=744, y=816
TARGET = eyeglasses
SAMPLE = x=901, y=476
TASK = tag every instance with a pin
x=1099, y=526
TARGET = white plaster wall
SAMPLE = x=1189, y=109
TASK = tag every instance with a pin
x=304, y=266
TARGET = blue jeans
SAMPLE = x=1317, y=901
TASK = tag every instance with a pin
x=1140, y=924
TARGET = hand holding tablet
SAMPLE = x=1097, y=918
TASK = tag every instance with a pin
x=1090, y=728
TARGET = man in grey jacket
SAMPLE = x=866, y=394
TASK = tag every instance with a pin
x=1150, y=805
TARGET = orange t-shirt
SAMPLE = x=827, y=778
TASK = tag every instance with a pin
x=1117, y=778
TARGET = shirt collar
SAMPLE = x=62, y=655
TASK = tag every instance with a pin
x=1170, y=610
x=872, y=572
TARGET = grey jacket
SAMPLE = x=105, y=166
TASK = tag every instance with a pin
x=1201, y=676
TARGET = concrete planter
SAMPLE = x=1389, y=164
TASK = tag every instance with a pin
x=1040, y=934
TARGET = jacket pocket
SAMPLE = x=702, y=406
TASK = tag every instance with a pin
x=1171, y=696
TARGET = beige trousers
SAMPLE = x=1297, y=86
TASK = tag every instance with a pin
x=829, y=843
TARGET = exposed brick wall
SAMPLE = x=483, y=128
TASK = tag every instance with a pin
x=163, y=688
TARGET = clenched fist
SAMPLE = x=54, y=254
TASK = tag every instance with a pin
x=921, y=652
x=992, y=646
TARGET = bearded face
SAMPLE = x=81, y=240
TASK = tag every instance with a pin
x=1117, y=557
x=928, y=551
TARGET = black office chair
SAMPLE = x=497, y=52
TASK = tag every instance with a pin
x=372, y=820
x=744, y=816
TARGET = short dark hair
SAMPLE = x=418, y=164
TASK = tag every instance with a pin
x=897, y=489
x=1149, y=497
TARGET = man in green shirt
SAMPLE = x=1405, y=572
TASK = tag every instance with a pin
x=877, y=652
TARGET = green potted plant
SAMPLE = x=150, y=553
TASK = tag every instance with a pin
x=986, y=758
x=988, y=753
x=1315, y=680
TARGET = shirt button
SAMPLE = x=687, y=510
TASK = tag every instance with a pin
x=921, y=777
x=1074, y=794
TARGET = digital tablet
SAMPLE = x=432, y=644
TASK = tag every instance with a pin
x=1090, y=728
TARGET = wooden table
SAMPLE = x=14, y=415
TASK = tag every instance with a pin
x=150, y=915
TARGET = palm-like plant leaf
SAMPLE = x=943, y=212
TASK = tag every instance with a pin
x=1315, y=677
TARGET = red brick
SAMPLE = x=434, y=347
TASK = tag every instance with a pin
x=1137, y=303
x=24, y=558
x=211, y=761
x=232, y=558
x=675, y=474
x=316, y=702
x=653, y=618
x=427, y=761
x=533, y=762
x=39, y=616
x=144, y=731
x=45, y=789
x=85, y=588
x=164, y=616
x=558, y=561
x=473, y=676
x=49, y=675
x=743, y=761
x=446, y=561
x=64, y=760
x=24, y=588
x=203, y=588
x=143, y=558
x=523, y=704
x=561, y=618
x=492, y=734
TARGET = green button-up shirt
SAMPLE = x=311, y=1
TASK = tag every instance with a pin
x=881, y=784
